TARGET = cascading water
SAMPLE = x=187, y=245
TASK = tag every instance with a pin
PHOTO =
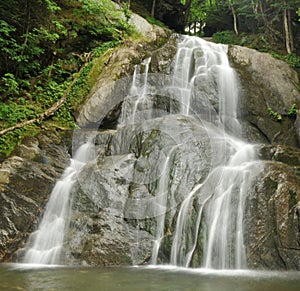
x=177, y=157
x=221, y=196
x=45, y=244
x=137, y=95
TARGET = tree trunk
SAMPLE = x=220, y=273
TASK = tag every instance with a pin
x=288, y=37
x=235, y=25
x=290, y=29
x=153, y=8
x=186, y=12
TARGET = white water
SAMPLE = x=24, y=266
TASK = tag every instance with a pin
x=162, y=194
x=45, y=244
x=202, y=75
x=137, y=95
x=221, y=197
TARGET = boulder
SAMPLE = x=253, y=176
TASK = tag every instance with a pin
x=268, y=92
x=103, y=105
x=273, y=215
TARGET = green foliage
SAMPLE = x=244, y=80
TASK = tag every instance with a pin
x=154, y=21
x=51, y=5
x=292, y=59
x=9, y=141
x=265, y=18
x=226, y=37
x=12, y=113
x=293, y=111
x=11, y=86
x=40, y=53
x=274, y=114
x=126, y=11
x=98, y=51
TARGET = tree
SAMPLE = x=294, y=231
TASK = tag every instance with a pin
x=153, y=8
x=234, y=14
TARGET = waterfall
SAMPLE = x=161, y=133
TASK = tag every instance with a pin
x=222, y=195
x=45, y=244
x=137, y=96
x=162, y=203
x=202, y=74
x=176, y=163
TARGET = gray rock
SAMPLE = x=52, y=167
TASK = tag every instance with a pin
x=104, y=102
x=273, y=218
x=26, y=180
x=266, y=82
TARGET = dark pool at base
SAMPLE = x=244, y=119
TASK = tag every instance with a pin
x=20, y=277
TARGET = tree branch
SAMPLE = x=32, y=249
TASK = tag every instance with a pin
x=52, y=109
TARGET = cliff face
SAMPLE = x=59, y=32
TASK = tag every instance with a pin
x=272, y=219
x=28, y=176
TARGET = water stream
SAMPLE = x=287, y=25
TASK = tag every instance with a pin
x=45, y=244
x=203, y=173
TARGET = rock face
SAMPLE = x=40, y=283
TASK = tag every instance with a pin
x=103, y=230
x=272, y=221
x=268, y=86
x=103, y=106
x=273, y=216
x=26, y=180
x=28, y=176
x=115, y=203
x=273, y=224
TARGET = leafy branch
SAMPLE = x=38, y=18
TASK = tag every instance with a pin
x=52, y=109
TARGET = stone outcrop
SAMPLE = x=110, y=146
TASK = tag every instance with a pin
x=268, y=85
x=113, y=212
x=26, y=181
x=273, y=215
x=102, y=107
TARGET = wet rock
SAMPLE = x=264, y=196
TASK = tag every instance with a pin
x=273, y=221
x=104, y=103
x=297, y=128
x=115, y=203
x=26, y=180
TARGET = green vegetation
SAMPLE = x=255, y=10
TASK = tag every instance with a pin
x=44, y=44
x=261, y=24
x=226, y=37
x=292, y=113
x=274, y=114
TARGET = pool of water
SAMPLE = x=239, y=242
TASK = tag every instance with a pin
x=20, y=277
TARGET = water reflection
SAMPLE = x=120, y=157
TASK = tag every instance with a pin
x=30, y=277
